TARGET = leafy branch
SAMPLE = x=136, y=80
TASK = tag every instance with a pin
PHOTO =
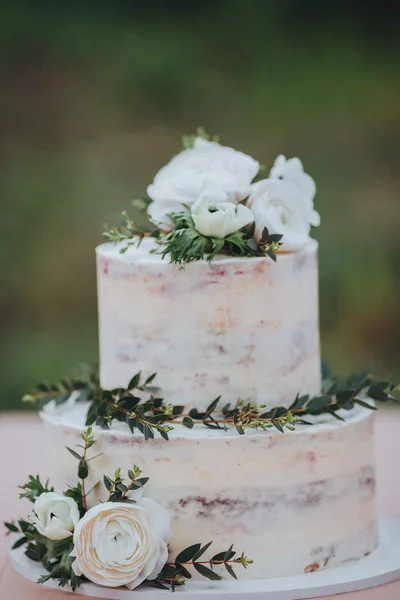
x=85, y=387
x=176, y=573
x=130, y=232
x=118, y=490
x=78, y=493
x=34, y=488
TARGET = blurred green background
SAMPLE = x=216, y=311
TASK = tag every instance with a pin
x=94, y=97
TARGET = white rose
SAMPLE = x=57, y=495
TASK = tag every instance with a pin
x=214, y=216
x=276, y=205
x=181, y=180
x=119, y=544
x=291, y=170
x=55, y=515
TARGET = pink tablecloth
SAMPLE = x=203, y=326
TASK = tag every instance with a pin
x=22, y=452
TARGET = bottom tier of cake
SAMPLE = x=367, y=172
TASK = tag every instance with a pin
x=293, y=502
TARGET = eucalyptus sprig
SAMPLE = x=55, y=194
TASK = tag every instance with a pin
x=130, y=232
x=118, y=490
x=143, y=412
x=85, y=387
x=185, y=244
x=78, y=493
x=176, y=573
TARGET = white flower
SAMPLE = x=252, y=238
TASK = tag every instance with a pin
x=55, y=515
x=291, y=170
x=181, y=180
x=122, y=544
x=277, y=205
x=214, y=216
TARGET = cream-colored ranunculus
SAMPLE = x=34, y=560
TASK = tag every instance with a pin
x=56, y=515
x=181, y=180
x=215, y=216
x=119, y=544
x=291, y=170
x=276, y=205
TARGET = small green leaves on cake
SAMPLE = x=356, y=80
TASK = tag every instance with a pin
x=130, y=232
x=84, y=387
x=176, y=573
x=150, y=415
x=119, y=490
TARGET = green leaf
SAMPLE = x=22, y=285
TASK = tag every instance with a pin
x=365, y=404
x=20, y=542
x=265, y=234
x=121, y=488
x=221, y=556
x=271, y=254
x=164, y=434
x=206, y=572
x=183, y=571
x=211, y=407
x=201, y=551
x=188, y=554
x=11, y=527
x=231, y=572
x=147, y=432
x=134, y=382
x=187, y=422
x=74, y=454
x=317, y=404
x=83, y=470
x=252, y=244
x=228, y=553
x=91, y=415
x=378, y=391
x=150, y=379
x=107, y=482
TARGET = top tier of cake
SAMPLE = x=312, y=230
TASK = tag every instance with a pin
x=238, y=327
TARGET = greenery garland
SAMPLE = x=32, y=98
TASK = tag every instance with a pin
x=145, y=412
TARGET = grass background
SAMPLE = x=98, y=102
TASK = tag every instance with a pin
x=94, y=97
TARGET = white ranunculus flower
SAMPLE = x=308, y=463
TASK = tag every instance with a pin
x=276, y=205
x=56, y=515
x=181, y=180
x=119, y=544
x=214, y=216
x=291, y=170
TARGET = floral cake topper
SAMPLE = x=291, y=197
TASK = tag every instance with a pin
x=211, y=199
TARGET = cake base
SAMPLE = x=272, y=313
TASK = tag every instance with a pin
x=380, y=567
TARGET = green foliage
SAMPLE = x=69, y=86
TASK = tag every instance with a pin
x=84, y=388
x=118, y=490
x=176, y=573
x=185, y=244
x=53, y=555
x=129, y=231
x=34, y=488
x=144, y=414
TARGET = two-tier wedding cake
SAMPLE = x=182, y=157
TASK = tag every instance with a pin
x=216, y=292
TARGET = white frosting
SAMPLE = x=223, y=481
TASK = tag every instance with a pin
x=240, y=327
x=287, y=500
